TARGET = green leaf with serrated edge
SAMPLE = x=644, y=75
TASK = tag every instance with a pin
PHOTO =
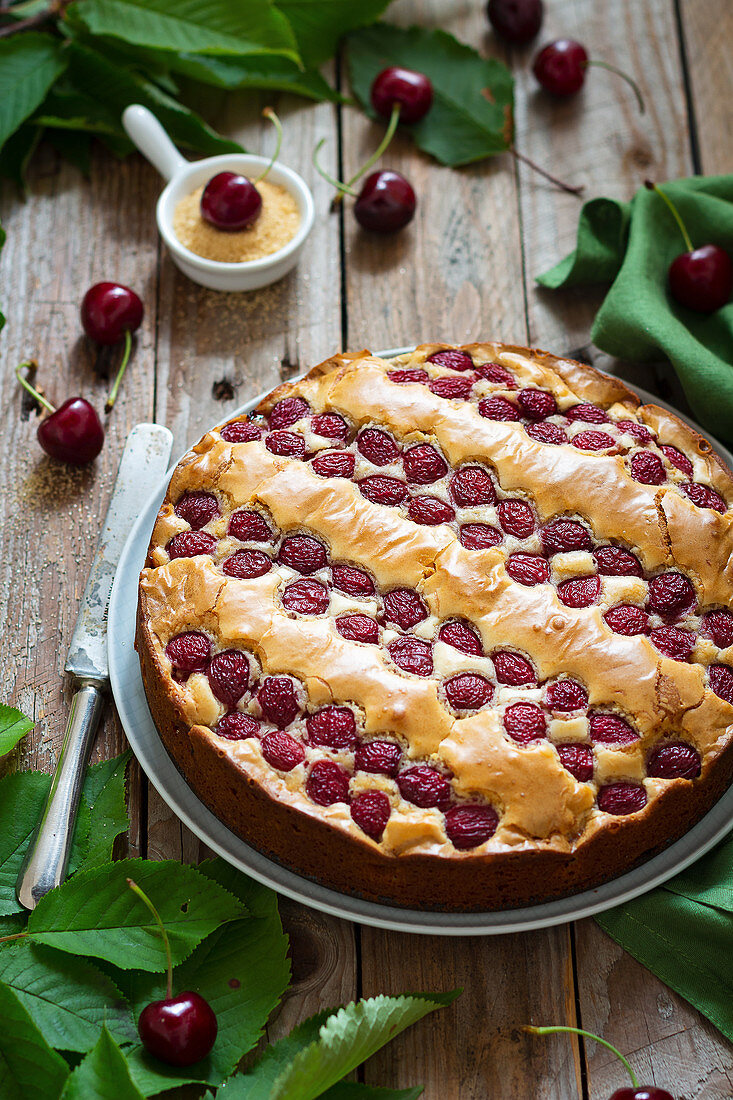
x=116, y=87
x=200, y=26
x=29, y=64
x=95, y=913
x=104, y=790
x=471, y=115
x=12, y=924
x=347, y=1038
x=257, y=1084
x=353, y=1090
x=319, y=24
x=13, y=723
x=271, y=74
x=67, y=998
x=66, y=108
x=103, y=1075
x=22, y=797
x=241, y=969
x=29, y=1068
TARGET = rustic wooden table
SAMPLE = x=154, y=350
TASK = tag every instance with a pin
x=465, y=269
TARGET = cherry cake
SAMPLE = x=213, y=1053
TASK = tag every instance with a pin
x=449, y=631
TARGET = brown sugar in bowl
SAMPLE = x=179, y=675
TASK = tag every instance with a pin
x=275, y=227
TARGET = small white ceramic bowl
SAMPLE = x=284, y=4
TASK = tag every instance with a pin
x=185, y=176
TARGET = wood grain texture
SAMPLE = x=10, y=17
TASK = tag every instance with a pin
x=707, y=28
x=666, y=1041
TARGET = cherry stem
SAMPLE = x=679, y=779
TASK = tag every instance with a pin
x=144, y=898
x=269, y=113
x=553, y=179
x=123, y=366
x=652, y=186
x=342, y=188
x=31, y=389
x=348, y=188
x=588, y=1035
x=394, y=118
x=625, y=76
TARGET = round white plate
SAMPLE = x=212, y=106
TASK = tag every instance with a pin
x=138, y=725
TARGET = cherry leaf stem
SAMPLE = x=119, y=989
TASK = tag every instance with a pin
x=15, y=936
x=547, y=175
x=123, y=366
x=625, y=76
x=269, y=113
x=394, y=118
x=342, y=188
x=146, y=900
x=27, y=24
x=651, y=186
x=588, y=1035
x=31, y=389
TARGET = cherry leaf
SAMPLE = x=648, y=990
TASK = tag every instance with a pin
x=29, y=1068
x=13, y=723
x=322, y=1050
x=103, y=1074
x=471, y=115
x=68, y=998
x=96, y=914
x=241, y=969
x=29, y=64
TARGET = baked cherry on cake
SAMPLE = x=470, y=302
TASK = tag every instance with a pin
x=451, y=630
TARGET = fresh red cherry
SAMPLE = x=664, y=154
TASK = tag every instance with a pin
x=179, y=1030
x=411, y=91
x=645, y=1092
x=73, y=433
x=560, y=67
x=109, y=310
x=230, y=202
x=702, y=279
x=386, y=202
x=517, y=21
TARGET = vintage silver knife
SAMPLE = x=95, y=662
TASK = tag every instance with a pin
x=144, y=461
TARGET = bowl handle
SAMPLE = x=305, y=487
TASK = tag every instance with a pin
x=151, y=139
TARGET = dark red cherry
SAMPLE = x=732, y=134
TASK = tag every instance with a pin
x=560, y=67
x=109, y=310
x=702, y=279
x=642, y=1092
x=179, y=1030
x=386, y=202
x=517, y=21
x=230, y=202
x=412, y=91
x=73, y=433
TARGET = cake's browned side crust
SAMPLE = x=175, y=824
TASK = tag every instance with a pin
x=536, y=869
x=479, y=883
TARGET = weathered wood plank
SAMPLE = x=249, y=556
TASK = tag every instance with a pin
x=600, y=139
x=455, y=274
x=708, y=32
x=69, y=234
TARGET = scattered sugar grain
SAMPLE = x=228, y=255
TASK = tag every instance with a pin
x=277, y=224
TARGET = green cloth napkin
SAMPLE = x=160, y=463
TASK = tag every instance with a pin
x=631, y=246
x=683, y=932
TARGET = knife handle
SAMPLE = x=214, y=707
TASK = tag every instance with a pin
x=47, y=857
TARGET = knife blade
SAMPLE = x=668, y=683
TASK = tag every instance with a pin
x=144, y=461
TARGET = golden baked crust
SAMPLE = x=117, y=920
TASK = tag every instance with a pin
x=526, y=672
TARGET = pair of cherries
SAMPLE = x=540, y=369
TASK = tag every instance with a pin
x=73, y=433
